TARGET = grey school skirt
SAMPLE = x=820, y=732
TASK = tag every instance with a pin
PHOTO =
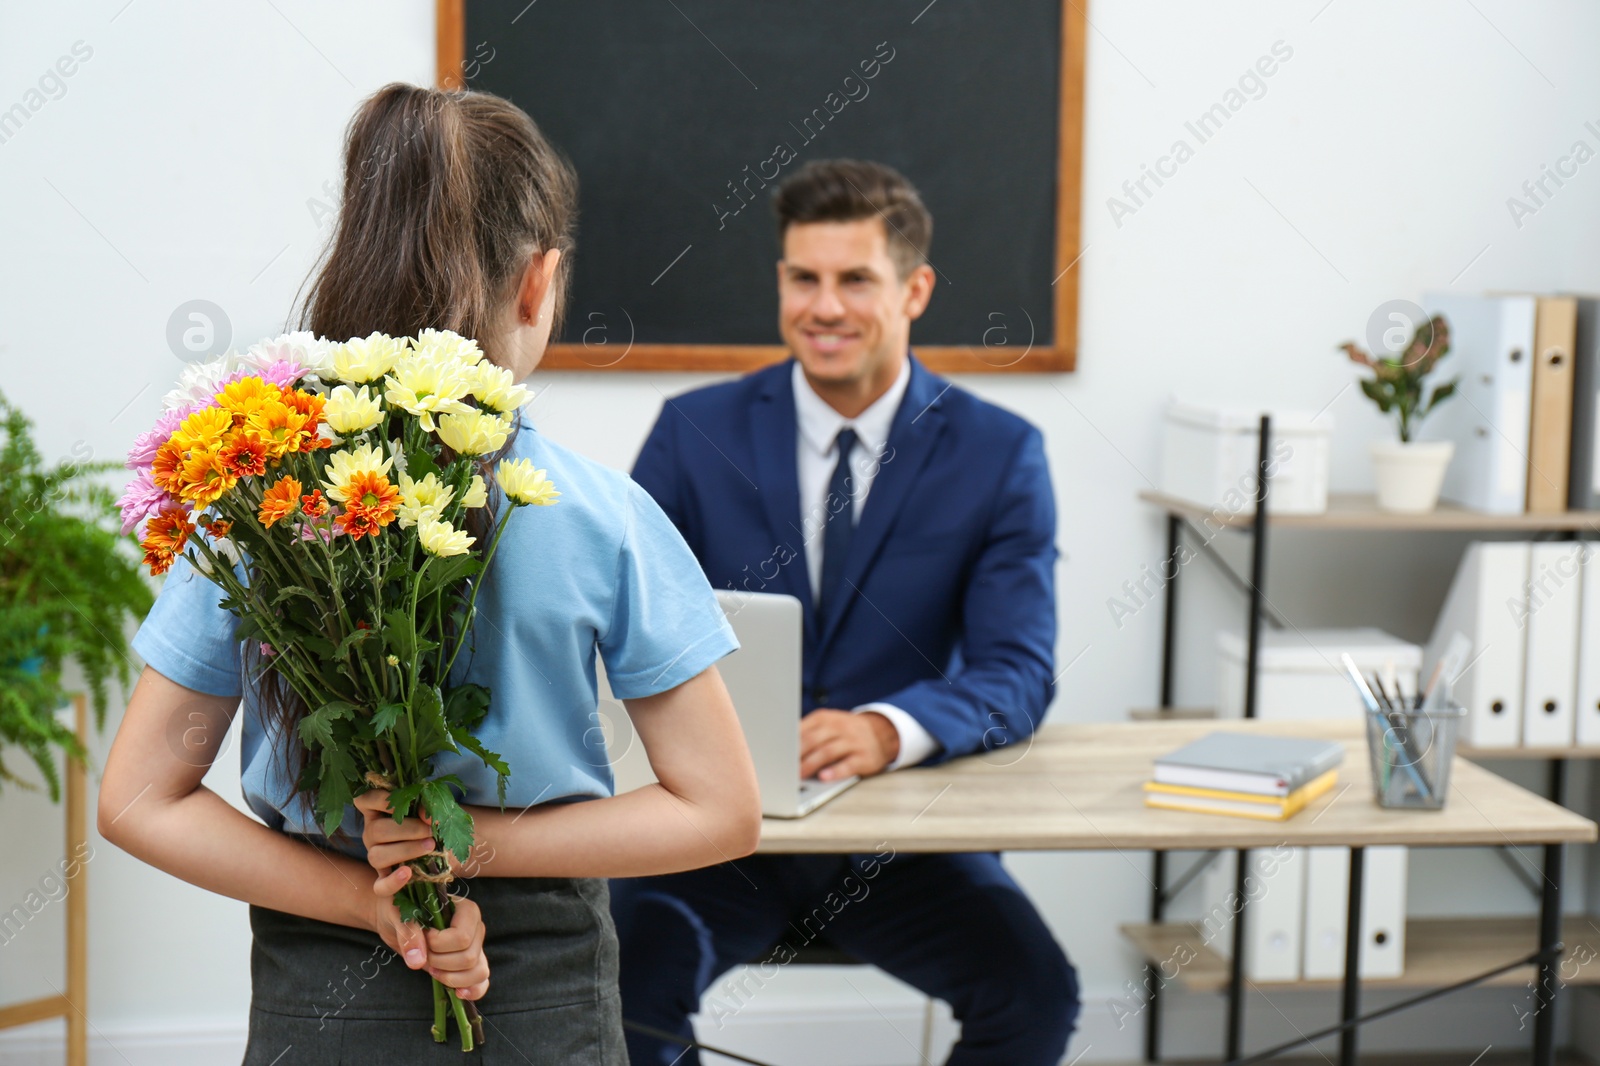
x=330, y=995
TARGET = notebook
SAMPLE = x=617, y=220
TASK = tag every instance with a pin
x=1241, y=804
x=1249, y=762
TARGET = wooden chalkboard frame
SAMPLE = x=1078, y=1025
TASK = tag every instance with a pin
x=450, y=53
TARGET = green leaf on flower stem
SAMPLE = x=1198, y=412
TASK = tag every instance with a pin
x=387, y=716
x=427, y=716
x=400, y=634
x=452, y=826
x=316, y=728
x=465, y=706
x=491, y=759
x=402, y=799
x=352, y=639
x=445, y=571
x=322, y=646
x=419, y=464
x=286, y=592
x=338, y=770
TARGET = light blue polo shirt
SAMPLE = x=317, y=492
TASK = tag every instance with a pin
x=601, y=570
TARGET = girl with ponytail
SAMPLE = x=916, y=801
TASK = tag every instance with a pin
x=457, y=214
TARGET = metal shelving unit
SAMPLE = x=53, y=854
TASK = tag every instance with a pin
x=1483, y=941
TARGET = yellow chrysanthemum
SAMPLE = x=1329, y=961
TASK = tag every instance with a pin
x=477, y=493
x=363, y=359
x=345, y=465
x=440, y=538
x=202, y=430
x=523, y=484
x=352, y=410
x=447, y=346
x=281, y=429
x=473, y=432
x=244, y=397
x=424, y=499
x=426, y=387
x=493, y=387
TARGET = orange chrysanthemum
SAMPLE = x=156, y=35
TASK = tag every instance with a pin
x=314, y=505
x=203, y=479
x=309, y=404
x=279, y=501
x=247, y=395
x=370, y=504
x=244, y=456
x=281, y=429
x=217, y=527
x=165, y=536
x=166, y=467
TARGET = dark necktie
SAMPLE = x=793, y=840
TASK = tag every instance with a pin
x=839, y=521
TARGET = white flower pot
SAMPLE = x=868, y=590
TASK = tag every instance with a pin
x=1410, y=473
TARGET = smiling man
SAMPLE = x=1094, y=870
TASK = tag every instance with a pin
x=916, y=525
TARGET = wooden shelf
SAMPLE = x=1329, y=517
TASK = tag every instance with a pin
x=1360, y=512
x=1439, y=951
x=1466, y=751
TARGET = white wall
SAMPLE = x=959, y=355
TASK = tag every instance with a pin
x=181, y=161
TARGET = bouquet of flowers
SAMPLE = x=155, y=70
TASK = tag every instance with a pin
x=327, y=489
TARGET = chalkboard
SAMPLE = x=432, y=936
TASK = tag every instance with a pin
x=680, y=115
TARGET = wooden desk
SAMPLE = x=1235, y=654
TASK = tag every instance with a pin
x=1079, y=788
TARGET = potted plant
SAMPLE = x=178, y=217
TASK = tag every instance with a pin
x=1409, y=472
x=68, y=583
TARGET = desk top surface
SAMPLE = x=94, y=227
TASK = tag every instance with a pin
x=1079, y=788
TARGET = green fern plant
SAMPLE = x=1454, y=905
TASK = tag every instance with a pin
x=68, y=582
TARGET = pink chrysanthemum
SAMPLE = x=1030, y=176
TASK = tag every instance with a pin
x=146, y=444
x=142, y=500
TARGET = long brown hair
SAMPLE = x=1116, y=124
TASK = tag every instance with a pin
x=446, y=197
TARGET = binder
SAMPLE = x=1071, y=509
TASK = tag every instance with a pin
x=1550, y=415
x=1587, y=713
x=1554, y=601
x=1491, y=350
x=1487, y=602
x=1383, y=912
x=1273, y=919
x=1583, y=466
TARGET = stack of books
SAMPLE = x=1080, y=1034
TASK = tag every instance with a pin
x=1245, y=774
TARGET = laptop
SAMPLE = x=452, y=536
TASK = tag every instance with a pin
x=763, y=677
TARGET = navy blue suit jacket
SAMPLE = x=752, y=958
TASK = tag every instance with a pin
x=952, y=616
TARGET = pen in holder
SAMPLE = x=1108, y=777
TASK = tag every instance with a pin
x=1411, y=739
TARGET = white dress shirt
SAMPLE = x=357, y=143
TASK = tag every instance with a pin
x=817, y=452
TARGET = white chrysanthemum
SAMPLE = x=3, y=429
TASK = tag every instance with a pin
x=445, y=345
x=422, y=500
x=494, y=387
x=473, y=432
x=223, y=547
x=363, y=359
x=352, y=410
x=523, y=484
x=477, y=494
x=199, y=382
x=440, y=538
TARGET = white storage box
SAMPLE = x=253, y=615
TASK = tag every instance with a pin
x=1209, y=457
x=1299, y=674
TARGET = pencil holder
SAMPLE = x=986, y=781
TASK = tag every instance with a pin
x=1411, y=752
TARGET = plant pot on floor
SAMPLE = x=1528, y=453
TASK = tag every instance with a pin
x=1410, y=473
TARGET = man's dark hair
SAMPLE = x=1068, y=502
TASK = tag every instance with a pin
x=844, y=190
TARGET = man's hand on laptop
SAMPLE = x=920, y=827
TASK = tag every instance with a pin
x=837, y=744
